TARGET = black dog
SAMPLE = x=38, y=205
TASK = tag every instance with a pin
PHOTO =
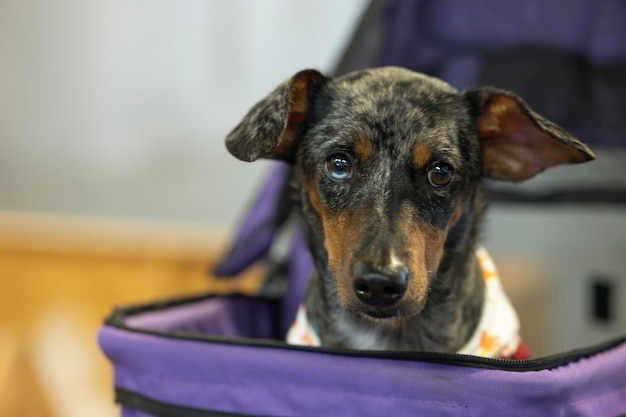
x=388, y=166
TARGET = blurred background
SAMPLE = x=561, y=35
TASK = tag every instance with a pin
x=119, y=109
x=115, y=186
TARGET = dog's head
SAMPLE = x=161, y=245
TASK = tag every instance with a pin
x=388, y=161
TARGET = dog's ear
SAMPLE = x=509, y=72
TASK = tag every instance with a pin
x=517, y=142
x=272, y=125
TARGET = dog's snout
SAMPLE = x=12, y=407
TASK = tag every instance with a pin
x=382, y=290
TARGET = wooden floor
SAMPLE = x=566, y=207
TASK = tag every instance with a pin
x=60, y=276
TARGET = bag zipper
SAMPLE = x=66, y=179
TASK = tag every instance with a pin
x=118, y=316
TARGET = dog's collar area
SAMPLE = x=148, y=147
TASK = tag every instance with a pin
x=497, y=333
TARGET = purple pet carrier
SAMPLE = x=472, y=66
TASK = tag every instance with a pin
x=222, y=356
x=225, y=355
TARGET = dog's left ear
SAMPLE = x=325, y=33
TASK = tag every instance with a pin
x=272, y=125
x=517, y=142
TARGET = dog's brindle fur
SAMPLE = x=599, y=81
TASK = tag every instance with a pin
x=395, y=126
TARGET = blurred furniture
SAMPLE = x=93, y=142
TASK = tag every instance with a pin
x=61, y=275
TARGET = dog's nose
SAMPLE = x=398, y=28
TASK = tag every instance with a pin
x=382, y=290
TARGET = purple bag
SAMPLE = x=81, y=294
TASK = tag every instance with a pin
x=222, y=356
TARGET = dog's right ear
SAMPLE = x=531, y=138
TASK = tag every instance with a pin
x=517, y=142
x=272, y=125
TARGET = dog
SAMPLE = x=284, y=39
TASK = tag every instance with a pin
x=387, y=169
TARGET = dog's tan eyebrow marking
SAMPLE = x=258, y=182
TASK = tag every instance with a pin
x=421, y=156
x=363, y=148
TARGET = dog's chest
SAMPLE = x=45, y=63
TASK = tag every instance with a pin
x=357, y=337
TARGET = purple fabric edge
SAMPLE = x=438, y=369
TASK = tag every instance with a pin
x=279, y=382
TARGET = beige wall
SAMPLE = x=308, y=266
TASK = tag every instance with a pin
x=120, y=108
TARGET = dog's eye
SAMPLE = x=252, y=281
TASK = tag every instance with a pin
x=338, y=167
x=440, y=175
